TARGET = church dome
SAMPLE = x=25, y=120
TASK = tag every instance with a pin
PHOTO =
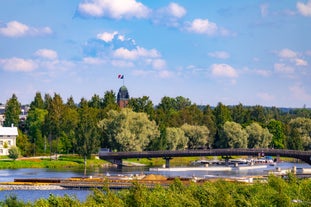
x=123, y=94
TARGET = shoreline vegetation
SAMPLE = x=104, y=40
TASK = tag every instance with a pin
x=274, y=191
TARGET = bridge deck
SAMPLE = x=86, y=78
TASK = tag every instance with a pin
x=302, y=155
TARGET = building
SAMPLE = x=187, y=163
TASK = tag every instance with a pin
x=7, y=139
x=123, y=97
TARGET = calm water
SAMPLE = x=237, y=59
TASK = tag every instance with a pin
x=8, y=175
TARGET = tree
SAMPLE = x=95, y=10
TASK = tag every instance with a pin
x=87, y=132
x=301, y=128
x=52, y=124
x=222, y=115
x=258, y=137
x=12, y=111
x=34, y=122
x=208, y=120
x=277, y=130
x=109, y=101
x=37, y=102
x=126, y=130
x=142, y=105
x=236, y=135
x=197, y=136
x=176, y=138
x=13, y=153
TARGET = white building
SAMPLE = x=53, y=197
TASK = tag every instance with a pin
x=7, y=139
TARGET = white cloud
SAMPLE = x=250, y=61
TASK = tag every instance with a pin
x=219, y=54
x=224, y=70
x=287, y=53
x=17, y=29
x=158, y=63
x=202, y=26
x=176, y=10
x=124, y=53
x=93, y=61
x=116, y=9
x=165, y=74
x=18, y=64
x=106, y=36
x=304, y=9
x=301, y=62
x=283, y=68
x=46, y=53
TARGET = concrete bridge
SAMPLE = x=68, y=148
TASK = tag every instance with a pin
x=116, y=157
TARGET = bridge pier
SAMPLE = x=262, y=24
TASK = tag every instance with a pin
x=167, y=161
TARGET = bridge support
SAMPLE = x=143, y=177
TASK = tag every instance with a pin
x=167, y=161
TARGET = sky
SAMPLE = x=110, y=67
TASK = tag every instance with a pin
x=250, y=52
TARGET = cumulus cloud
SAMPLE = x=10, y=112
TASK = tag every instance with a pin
x=46, y=53
x=224, y=70
x=106, y=36
x=116, y=9
x=287, y=53
x=301, y=62
x=18, y=64
x=17, y=29
x=219, y=54
x=136, y=53
x=304, y=9
x=202, y=26
x=283, y=68
x=169, y=15
x=292, y=56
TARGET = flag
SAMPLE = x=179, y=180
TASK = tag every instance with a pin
x=120, y=76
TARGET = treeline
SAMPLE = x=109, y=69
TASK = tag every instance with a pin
x=57, y=126
x=274, y=192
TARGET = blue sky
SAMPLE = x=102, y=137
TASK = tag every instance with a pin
x=250, y=52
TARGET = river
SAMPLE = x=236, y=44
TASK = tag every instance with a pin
x=8, y=175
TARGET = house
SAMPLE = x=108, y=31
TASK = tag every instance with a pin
x=7, y=139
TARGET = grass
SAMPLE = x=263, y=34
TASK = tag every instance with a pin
x=61, y=163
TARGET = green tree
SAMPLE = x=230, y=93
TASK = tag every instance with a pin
x=208, y=120
x=95, y=102
x=34, y=122
x=37, y=102
x=258, y=137
x=176, y=138
x=143, y=104
x=235, y=134
x=87, y=132
x=222, y=115
x=109, y=101
x=13, y=153
x=52, y=125
x=300, y=130
x=277, y=130
x=126, y=130
x=12, y=111
x=198, y=136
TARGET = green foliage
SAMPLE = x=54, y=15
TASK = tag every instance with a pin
x=13, y=153
x=175, y=138
x=275, y=192
x=236, y=135
x=126, y=130
x=258, y=137
x=198, y=136
x=12, y=111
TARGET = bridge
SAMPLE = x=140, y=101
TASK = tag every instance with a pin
x=117, y=157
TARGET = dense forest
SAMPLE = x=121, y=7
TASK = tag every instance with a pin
x=57, y=126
